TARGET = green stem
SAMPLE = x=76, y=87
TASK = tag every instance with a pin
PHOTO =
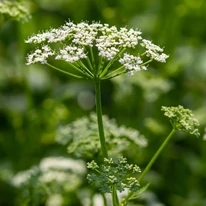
x=99, y=118
x=104, y=71
x=100, y=65
x=65, y=72
x=90, y=64
x=156, y=155
x=86, y=69
x=115, y=200
x=114, y=73
x=147, y=62
x=92, y=57
x=126, y=199
x=104, y=199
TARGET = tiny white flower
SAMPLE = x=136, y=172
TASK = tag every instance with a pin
x=40, y=55
x=71, y=54
x=74, y=42
x=154, y=51
x=131, y=62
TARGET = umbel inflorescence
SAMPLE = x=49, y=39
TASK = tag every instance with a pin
x=94, y=50
x=182, y=119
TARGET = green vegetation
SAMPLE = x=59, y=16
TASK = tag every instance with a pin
x=48, y=128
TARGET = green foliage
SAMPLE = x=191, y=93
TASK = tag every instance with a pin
x=121, y=174
x=82, y=138
x=34, y=100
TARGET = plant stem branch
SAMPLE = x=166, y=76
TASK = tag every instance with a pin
x=115, y=200
x=156, y=155
x=65, y=72
x=126, y=199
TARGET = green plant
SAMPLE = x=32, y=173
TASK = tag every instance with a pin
x=98, y=52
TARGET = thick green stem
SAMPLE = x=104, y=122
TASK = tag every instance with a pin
x=99, y=118
x=104, y=199
x=126, y=199
x=115, y=200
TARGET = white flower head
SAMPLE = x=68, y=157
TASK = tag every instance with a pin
x=131, y=62
x=93, y=48
x=71, y=54
x=40, y=55
x=154, y=51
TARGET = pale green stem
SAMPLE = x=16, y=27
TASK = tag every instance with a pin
x=111, y=62
x=85, y=68
x=100, y=65
x=65, y=72
x=115, y=200
x=77, y=68
x=126, y=199
x=99, y=118
x=104, y=199
x=109, y=75
x=143, y=54
x=90, y=64
x=156, y=155
x=147, y=62
x=92, y=57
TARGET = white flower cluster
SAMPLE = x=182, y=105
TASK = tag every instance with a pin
x=57, y=169
x=71, y=54
x=77, y=40
x=131, y=62
x=40, y=55
x=154, y=51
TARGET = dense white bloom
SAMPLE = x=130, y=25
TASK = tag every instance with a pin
x=40, y=55
x=132, y=62
x=154, y=51
x=71, y=54
x=108, y=52
x=74, y=42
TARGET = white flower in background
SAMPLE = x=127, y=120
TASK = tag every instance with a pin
x=50, y=179
x=92, y=49
x=61, y=163
x=54, y=200
x=53, y=169
x=23, y=176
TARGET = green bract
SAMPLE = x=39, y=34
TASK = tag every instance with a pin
x=182, y=119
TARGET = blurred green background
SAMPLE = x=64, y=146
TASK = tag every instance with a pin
x=35, y=99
